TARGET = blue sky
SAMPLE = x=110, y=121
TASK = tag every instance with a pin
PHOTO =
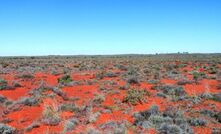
x=52, y=27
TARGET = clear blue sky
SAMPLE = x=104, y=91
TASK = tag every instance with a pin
x=45, y=27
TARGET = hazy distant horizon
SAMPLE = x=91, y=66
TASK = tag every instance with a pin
x=85, y=27
x=125, y=54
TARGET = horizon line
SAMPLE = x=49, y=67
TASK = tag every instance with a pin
x=122, y=54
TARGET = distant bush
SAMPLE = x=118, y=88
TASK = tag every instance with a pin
x=216, y=131
x=32, y=126
x=3, y=84
x=99, y=98
x=16, y=84
x=65, y=79
x=99, y=75
x=208, y=113
x=217, y=97
x=166, y=128
x=114, y=127
x=198, y=75
x=197, y=122
x=70, y=125
x=69, y=107
x=135, y=96
x=133, y=80
x=5, y=129
x=212, y=70
x=121, y=67
x=26, y=76
x=110, y=74
x=153, y=81
x=60, y=93
x=184, y=82
x=28, y=101
x=218, y=117
x=169, y=91
x=132, y=76
x=206, y=95
x=170, y=121
x=51, y=116
x=2, y=98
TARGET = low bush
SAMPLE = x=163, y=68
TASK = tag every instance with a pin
x=60, y=93
x=216, y=131
x=121, y=67
x=114, y=127
x=16, y=84
x=212, y=70
x=218, y=117
x=153, y=81
x=217, y=97
x=166, y=128
x=69, y=107
x=2, y=98
x=169, y=91
x=3, y=84
x=5, y=129
x=51, y=116
x=135, y=96
x=197, y=122
x=206, y=95
x=170, y=121
x=99, y=75
x=208, y=113
x=70, y=125
x=110, y=74
x=65, y=79
x=32, y=126
x=198, y=75
x=133, y=80
x=99, y=98
x=184, y=82
x=28, y=101
x=26, y=76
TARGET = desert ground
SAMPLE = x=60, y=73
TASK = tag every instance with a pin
x=121, y=94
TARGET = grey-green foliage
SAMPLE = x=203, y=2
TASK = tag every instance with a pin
x=197, y=122
x=70, y=125
x=28, y=101
x=3, y=84
x=174, y=93
x=170, y=121
x=5, y=129
x=114, y=127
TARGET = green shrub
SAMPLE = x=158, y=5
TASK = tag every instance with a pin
x=197, y=75
x=3, y=84
x=65, y=79
x=135, y=96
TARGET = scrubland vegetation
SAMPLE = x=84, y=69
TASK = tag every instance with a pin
x=122, y=94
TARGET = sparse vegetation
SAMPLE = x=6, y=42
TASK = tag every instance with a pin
x=111, y=94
